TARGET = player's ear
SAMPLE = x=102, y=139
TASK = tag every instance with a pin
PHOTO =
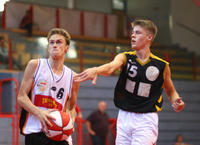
x=66, y=48
x=150, y=37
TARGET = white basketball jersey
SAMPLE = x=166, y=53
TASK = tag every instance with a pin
x=48, y=92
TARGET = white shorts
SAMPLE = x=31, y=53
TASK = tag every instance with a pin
x=137, y=128
x=69, y=140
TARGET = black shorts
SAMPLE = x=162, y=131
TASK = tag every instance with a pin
x=41, y=139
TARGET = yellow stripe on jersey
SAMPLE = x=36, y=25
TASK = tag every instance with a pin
x=160, y=99
x=158, y=108
x=158, y=58
x=125, y=59
x=142, y=63
x=128, y=52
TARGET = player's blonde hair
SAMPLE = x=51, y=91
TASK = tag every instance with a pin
x=147, y=24
x=60, y=31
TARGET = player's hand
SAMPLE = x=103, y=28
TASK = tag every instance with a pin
x=43, y=116
x=92, y=132
x=88, y=74
x=178, y=105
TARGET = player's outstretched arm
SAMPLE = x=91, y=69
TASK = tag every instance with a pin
x=173, y=96
x=24, y=100
x=104, y=70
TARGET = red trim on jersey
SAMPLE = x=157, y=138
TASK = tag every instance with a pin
x=77, y=108
x=66, y=103
x=47, y=102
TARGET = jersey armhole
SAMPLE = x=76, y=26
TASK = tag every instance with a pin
x=166, y=65
x=71, y=83
x=125, y=58
x=37, y=69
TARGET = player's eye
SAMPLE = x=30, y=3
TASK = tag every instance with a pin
x=58, y=42
x=136, y=32
x=51, y=42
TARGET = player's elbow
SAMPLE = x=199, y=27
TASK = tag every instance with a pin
x=19, y=100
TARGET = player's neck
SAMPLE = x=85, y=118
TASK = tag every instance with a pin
x=56, y=65
x=143, y=54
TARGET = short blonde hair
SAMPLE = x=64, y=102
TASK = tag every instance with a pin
x=60, y=31
x=147, y=24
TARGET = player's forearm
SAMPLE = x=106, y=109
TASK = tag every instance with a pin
x=73, y=98
x=173, y=96
x=25, y=103
x=105, y=70
x=88, y=125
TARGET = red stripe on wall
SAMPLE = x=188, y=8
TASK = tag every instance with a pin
x=32, y=16
x=128, y=24
x=197, y=2
x=105, y=26
x=57, y=18
x=82, y=23
x=4, y=18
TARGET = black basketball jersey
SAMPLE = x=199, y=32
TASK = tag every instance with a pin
x=139, y=87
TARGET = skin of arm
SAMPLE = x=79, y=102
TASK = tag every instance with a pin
x=89, y=128
x=104, y=70
x=24, y=100
x=71, y=104
x=171, y=92
x=75, y=88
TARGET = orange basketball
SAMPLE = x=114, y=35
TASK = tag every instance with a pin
x=61, y=128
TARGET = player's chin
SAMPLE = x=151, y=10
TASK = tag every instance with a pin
x=56, y=57
x=135, y=47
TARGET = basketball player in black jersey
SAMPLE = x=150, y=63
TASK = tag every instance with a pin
x=138, y=92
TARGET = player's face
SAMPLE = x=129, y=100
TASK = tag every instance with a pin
x=57, y=46
x=140, y=37
x=102, y=106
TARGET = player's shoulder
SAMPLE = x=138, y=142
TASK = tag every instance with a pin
x=158, y=58
x=33, y=63
x=67, y=68
x=129, y=53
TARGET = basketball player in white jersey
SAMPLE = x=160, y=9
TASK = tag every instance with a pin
x=138, y=92
x=47, y=85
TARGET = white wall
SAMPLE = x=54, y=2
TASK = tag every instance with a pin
x=95, y=5
x=53, y=3
x=185, y=29
x=157, y=11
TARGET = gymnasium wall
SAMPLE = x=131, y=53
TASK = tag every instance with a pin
x=85, y=23
x=156, y=10
x=185, y=29
x=51, y=3
x=104, y=6
x=8, y=94
x=177, y=20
